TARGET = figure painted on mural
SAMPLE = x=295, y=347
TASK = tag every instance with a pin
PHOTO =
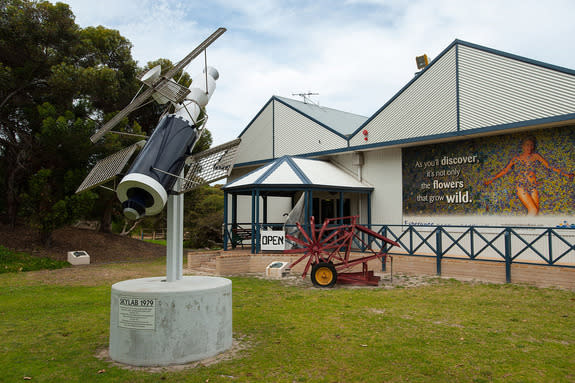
x=524, y=165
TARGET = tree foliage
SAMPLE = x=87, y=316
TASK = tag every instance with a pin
x=58, y=83
x=203, y=216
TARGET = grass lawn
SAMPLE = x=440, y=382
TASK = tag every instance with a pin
x=156, y=241
x=11, y=261
x=51, y=330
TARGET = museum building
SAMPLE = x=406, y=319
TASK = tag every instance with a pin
x=448, y=149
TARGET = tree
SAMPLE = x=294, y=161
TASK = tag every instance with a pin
x=56, y=81
x=204, y=216
x=47, y=209
x=34, y=37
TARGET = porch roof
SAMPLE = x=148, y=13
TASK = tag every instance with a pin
x=292, y=173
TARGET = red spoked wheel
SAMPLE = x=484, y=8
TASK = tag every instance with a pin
x=319, y=247
x=328, y=251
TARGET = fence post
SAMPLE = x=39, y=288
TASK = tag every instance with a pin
x=507, y=255
x=550, y=244
x=383, y=259
x=438, y=250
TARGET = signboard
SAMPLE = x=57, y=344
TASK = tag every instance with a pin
x=272, y=240
x=492, y=180
x=138, y=313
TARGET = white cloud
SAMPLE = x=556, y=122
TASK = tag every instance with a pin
x=355, y=53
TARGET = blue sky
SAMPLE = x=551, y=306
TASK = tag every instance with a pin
x=355, y=53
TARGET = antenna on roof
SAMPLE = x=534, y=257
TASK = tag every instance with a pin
x=306, y=99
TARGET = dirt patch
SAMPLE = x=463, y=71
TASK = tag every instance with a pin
x=387, y=281
x=102, y=247
x=96, y=275
x=239, y=344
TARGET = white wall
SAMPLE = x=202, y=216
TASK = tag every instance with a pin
x=277, y=206
x=382, y=169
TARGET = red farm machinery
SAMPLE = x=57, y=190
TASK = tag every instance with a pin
x=328, y=251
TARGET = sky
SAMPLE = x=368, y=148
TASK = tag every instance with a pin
x=357, y=54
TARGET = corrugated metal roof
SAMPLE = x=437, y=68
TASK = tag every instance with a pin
x=492, y=88
x=289, y=172
x=342, y=122
x=496, y=90
x=296, y=133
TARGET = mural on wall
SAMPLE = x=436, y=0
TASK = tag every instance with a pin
x=529, y=173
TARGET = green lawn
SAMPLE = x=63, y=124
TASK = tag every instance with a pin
x=12, y=261
x=446, y=331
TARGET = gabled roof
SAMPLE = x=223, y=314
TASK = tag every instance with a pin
x=467, y=90
x=342, y=122
x=470, y=89
x=298, y=174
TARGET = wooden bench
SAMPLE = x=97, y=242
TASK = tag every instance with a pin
x=239, y=235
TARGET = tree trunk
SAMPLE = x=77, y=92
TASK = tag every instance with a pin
x=106, y=218
x=14, y=166
x=11, y=201
x=125, y=230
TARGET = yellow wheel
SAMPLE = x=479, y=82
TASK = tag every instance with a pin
x=323, y=275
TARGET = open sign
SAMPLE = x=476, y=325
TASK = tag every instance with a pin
x=272, y=240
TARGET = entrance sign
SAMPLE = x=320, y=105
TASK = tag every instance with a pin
x=137, y=313
x=272, y=240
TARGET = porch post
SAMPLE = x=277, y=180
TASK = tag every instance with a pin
x=256, y=236
x=252, y=245
x=340, y=208
x=308, y=207
x=265, y=212
x=369, y=210
x=234, y=211
x=234, y=218
x=225, y=236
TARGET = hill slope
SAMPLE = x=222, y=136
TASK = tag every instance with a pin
x=102, y=247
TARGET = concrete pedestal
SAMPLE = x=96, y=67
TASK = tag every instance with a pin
x=158, y=323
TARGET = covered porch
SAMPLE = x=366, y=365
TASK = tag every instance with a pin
x=301, y=187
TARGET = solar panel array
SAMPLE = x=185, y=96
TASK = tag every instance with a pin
x=211, y=165
x=108, y=168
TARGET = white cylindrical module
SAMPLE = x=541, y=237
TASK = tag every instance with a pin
x=144, y=189
x=156, y=323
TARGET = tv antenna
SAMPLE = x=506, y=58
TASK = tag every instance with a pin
x=306, y=98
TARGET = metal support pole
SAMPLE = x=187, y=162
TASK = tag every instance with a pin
x=174, y=242
x=175, y=236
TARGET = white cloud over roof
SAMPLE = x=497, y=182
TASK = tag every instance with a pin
x=356, y=54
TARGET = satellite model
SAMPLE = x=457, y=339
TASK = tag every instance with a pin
x=165, y=158
x=164, y=169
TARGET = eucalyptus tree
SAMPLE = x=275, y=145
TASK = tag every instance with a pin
x=57, y=81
